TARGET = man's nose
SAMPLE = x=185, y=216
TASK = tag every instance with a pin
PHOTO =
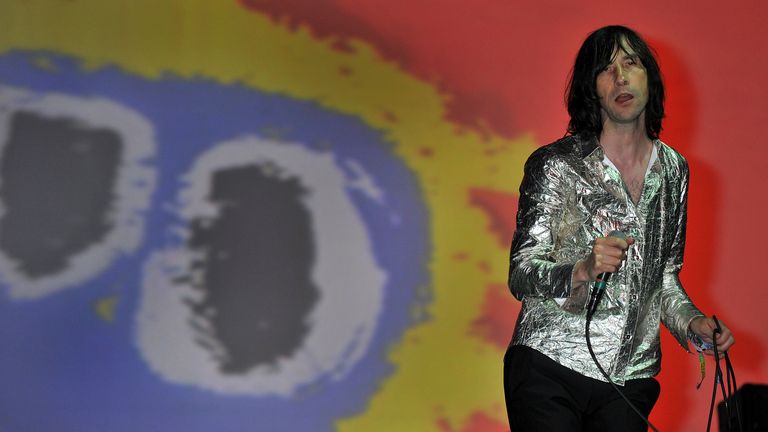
x=621, y=76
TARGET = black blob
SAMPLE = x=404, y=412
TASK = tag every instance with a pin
x=57, y=178
x=255, y=268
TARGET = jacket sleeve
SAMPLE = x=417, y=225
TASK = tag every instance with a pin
x=677, y=309
x=532, y=270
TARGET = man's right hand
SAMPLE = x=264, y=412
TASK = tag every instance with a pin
x=606, y=257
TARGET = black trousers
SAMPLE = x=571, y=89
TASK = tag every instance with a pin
x=542, y=395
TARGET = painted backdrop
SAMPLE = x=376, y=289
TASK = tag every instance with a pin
x=295, y=215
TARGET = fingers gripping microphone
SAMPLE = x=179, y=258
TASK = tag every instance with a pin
x=602, y=280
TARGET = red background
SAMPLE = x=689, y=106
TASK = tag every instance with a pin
x=504, y=65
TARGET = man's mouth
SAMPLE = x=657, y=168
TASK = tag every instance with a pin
x=624, y=97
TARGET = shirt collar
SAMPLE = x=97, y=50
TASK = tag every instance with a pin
x=590, y=149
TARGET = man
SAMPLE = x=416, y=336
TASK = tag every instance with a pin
x=610, y=173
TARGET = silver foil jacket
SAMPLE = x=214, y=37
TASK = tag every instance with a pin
x=568, y=198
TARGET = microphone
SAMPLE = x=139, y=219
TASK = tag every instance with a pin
x=602, y=280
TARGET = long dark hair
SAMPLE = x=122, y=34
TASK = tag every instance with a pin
x=593, y=57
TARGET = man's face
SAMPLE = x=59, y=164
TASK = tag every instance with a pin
x=623, y=89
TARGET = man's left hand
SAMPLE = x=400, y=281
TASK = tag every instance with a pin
x=704, y=327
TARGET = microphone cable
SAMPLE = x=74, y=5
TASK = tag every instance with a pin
x=727, y=391
x=597, y=363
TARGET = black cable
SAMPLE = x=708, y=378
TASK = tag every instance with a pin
x=736, y=404
x=728, y=399
x=714, y=391
x=731, y=380
x=719, y=380
x=594, y=358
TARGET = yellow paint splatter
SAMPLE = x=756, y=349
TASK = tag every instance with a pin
x=106, y=307
x=441, y=371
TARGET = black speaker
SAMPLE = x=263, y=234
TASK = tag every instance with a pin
x=750, y=403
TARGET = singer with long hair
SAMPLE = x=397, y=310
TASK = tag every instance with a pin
x=610, y=174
